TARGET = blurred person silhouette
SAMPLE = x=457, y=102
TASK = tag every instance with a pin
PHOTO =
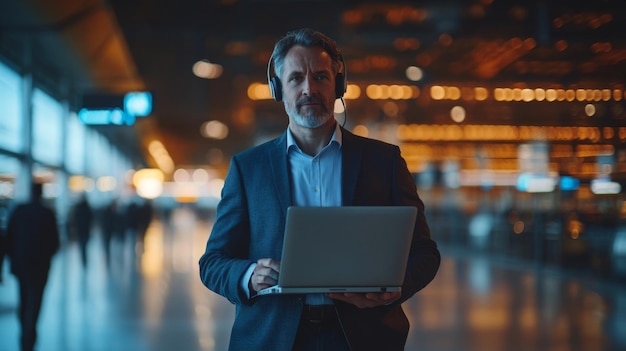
x=307, y=72
x=32, y=240
x=82, y=219
x=144, y=213
x=3, y=244
x=3, y=250
x=112, y=227
x=131, y=221
x=139, y=214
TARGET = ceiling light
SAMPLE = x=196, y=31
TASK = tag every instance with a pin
x=457, y=113
x=214, y=130
x=207, y=70
x=414, y=73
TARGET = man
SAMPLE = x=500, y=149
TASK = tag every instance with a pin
x=82, y=218
x=32, y=239
x=314, y=163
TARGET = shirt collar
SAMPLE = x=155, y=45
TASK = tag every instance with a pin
x=337, y=138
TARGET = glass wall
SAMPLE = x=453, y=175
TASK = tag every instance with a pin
x=9, y=166
x=10, y=109
x=75, y=152
x=67, y=156
x=47, y=129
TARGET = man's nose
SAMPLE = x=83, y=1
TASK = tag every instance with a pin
x=308, y=86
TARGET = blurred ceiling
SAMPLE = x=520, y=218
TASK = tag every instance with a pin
x=124, y=45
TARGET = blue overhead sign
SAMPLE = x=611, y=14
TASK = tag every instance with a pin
x=569, y=183
x=111, y=109
x=113, y=116
x=138, y=103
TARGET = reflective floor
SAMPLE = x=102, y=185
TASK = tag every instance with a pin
x=151, y=299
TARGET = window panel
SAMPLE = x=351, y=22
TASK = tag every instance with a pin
x=47, y=128
x=11, y=126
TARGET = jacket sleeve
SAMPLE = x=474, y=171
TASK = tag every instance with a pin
x=226, y=256
x=424, y=257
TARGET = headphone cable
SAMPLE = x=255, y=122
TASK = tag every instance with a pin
x=345, y=112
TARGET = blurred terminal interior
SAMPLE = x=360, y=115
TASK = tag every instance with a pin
x=510, y=114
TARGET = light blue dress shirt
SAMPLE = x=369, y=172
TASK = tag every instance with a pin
x=315, y=182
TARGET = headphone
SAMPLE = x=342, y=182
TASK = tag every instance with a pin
x=341, y=80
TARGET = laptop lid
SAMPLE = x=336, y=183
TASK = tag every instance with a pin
x=345, y=249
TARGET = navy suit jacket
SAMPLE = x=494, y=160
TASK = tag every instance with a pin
x=250, y=223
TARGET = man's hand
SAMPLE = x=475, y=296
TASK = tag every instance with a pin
x=265, y=274
x=367, y=300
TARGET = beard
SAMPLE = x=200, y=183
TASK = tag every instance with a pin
x=308, y=117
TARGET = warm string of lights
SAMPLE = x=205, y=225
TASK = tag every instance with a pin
x=471, y=132
x=260, y=91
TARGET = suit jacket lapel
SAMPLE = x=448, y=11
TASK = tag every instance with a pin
x=351, y=163
x=277, y=155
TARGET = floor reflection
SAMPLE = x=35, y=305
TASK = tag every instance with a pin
x=478, y=303
x=150, y=298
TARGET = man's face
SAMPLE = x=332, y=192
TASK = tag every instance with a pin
x=308, y=83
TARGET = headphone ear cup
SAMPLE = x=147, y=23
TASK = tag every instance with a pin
x=340, y=85
x=276, y=88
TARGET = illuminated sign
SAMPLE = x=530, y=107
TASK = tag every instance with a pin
x=111, y=109
x=113, y=116
x=605, y=187
x=138, y=103
x=569, y=183
x=535, y=183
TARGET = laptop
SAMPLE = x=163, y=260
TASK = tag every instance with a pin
x=344, y=249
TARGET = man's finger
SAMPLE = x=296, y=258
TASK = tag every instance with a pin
x=270, y=263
